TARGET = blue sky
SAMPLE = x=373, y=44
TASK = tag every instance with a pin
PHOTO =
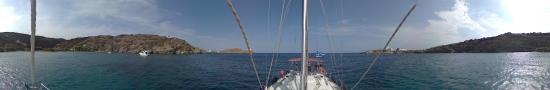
x=349, y=25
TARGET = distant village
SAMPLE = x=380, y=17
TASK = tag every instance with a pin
x=393, y=51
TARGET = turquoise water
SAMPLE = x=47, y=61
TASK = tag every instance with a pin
x=99, y=71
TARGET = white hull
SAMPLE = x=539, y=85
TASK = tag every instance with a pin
x=143, y=53
x=315, y=81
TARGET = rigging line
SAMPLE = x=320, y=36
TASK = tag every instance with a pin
x=385, y=46
x=275, y=54
x=341, y=45
x=341, y=66
x=241, y=27
x=281, y=27
x=342, y=9
x=268, y=28
x=329, y=36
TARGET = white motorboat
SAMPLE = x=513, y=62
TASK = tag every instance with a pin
x=144, y=53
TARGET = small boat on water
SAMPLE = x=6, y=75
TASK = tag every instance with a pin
x=144, y=53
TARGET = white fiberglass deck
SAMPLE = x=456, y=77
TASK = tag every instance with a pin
x=315, y=81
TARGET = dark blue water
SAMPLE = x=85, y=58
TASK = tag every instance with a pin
x=99, y=71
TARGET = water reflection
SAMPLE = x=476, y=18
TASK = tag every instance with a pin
x=523, y=71
x=10, y=76
x=456, y=71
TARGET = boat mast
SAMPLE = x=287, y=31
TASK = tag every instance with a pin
x=303, y=83
x=33, y=30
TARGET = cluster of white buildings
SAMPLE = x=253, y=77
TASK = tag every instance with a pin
x=388, y=51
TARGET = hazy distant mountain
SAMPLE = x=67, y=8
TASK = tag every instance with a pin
x=129, y=44
x=11, y=41
x=508, y=42
x=233, y=50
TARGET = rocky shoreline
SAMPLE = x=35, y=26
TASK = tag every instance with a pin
x=125, y=43
x=507, y=42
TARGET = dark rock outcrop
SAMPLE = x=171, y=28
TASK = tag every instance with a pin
x=507, y=42
x=129, y=44
x=11, y=41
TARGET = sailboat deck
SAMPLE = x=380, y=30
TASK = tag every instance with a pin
x=315, y=81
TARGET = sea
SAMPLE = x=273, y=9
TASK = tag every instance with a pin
x=420, y=71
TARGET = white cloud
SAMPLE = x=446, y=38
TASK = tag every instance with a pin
x=444, y=29
x=451, y=26
x=8, y=17
x=69, y=19
x=99, y=17
x=141, y=12
x=493, y=22
x=458, y=17
x=526, y=15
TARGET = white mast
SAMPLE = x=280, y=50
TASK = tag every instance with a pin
x=33, y=30
x=303, y=83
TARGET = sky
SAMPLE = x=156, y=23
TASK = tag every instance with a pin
x=275, y=25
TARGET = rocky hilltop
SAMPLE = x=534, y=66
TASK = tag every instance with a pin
x=507, y=42
x=129, y=44
x=11, y=41
x=126, y=43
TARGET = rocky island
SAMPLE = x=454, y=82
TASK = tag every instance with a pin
x=234, y=50
x=126, y=43
x=11, y=41
x=507, y=42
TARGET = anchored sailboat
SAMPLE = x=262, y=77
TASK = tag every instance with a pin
x=312, y=76
x=308, y=79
